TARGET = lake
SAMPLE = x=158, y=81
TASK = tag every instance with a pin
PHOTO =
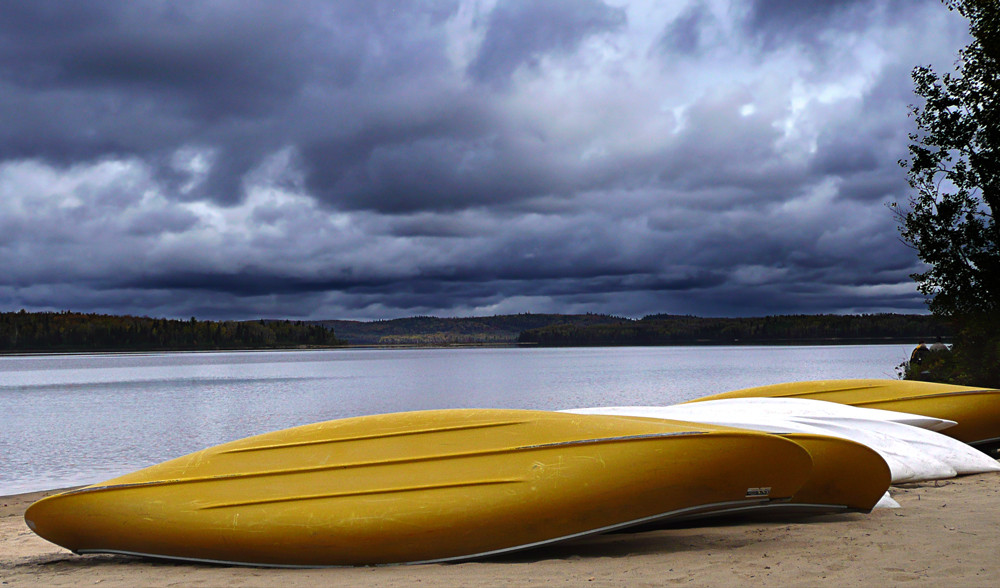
x=78, y=419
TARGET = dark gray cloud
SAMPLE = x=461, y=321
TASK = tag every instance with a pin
x=520, y=32
x=776, y=14
x=383, y=158
x=778, y=21
x=240, y=78
x=685, y=34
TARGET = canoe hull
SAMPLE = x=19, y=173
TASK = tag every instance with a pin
x=847, y=476
x=415, y=487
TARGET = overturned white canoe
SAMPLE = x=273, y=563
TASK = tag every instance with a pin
x=807, y=407
x=912, y=454
x=976, y=411
x=921, y=432
x=905, y=463
x=963, y=458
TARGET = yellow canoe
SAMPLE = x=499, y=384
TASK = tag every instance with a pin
x=976, y=410
x=846, y=477
x=423, y=486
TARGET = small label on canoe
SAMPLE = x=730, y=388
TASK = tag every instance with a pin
x=758, y=492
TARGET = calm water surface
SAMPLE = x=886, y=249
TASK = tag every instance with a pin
x=79, y=419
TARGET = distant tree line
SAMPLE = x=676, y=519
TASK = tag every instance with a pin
x=787, y=329
x=70, y=331
x=429, y=330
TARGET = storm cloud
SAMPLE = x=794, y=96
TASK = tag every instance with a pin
x=376, y=159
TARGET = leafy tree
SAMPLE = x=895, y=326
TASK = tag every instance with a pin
x=954, y=171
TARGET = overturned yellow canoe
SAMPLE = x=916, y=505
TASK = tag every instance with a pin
x=976, y=410
x=846, y=477
x=421, y=486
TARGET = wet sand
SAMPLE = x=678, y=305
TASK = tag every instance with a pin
x=945, y=533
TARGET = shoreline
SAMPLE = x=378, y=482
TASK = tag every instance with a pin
x=944, y=533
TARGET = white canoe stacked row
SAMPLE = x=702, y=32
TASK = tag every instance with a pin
x=910, y=444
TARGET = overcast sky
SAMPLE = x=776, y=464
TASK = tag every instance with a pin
x=379, y=159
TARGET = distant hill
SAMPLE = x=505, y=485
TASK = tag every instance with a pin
x=782, y=329
x=606, y=330
x=428, y=330
x=69, y=331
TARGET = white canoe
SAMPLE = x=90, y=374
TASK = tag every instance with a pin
x=963, y=458
x=976, y=411
x=921, y=432
x=912, y=454
x=807, y=407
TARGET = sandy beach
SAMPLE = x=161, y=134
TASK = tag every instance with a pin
x=944, y=533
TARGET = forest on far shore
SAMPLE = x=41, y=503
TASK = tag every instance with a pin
x=70, y=331
x=768, y=330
